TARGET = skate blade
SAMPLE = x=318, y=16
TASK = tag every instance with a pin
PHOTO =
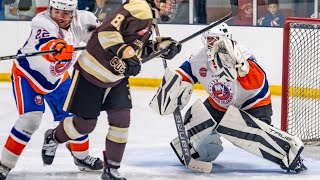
x=85, y=169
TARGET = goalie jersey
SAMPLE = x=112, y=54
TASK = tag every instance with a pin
x=246, y=92
x=45, y=76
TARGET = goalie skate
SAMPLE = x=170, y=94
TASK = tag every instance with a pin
x=87, y=164
x=296, y=165
x=49, y=148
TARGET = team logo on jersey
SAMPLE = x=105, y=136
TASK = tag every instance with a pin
x=118, y=65
x=203, y=72
x=38, y=100
x=221, y=91
x=59, y=67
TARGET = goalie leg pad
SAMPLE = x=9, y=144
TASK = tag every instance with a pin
x=198, y=122
x=172, y=93
x=261, y=139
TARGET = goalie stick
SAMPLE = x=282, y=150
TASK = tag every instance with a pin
x=190, y=162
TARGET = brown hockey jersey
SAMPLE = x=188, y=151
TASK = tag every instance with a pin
x=131, y=25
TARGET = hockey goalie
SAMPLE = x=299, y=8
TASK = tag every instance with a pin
x=238, y=107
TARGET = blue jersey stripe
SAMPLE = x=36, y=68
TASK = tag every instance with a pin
x=263, y=91
x=186, y=67
x=43, y=41
x=37, y=75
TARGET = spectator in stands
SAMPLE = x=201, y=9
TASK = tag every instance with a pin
x=245, y=14
x=41, y=5
x=200, y=7
x=104, y=7
x=19, y=9
x=274, y=17
x=87, y=5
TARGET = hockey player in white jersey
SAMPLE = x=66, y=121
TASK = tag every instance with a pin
x=238, y=107
x=39, y=78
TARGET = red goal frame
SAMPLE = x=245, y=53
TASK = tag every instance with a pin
x=285, y=64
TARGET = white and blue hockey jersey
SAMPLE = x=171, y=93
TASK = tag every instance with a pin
x=246, y=92
x=45, y=76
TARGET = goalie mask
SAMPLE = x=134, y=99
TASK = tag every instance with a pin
x=213, y=35
x=210, y=39
x=164, y=9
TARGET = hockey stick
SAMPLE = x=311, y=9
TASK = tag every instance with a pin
x=234, y=12
x=89, y=28
x=35, y=54
x=183, y=139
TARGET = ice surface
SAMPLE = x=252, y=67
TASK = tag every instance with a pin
x=148, y=154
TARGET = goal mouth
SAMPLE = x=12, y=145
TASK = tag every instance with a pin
x=300, y=105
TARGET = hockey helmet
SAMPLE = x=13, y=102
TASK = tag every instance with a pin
x=68, y=5
x=165, y=9
x=221, y=30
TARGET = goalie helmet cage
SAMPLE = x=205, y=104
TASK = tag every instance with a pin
x=300, y=111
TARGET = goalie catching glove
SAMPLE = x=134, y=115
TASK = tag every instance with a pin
x=172, y=93
x=231, y=56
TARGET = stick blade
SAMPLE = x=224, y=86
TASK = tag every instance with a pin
x=200, y=166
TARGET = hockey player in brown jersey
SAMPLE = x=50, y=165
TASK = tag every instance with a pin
x=100, y=79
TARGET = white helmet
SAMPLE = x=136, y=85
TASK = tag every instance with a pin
x=221, y=30
x=69, y=5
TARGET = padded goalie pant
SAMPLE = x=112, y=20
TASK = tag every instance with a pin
x=86, y=101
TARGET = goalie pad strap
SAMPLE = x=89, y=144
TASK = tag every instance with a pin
x=200, y=127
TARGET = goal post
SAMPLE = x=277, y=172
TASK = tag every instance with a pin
x=300, y=104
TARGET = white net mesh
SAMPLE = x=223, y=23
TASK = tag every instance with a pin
x=303, y=91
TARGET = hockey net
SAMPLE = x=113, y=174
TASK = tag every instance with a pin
x=300, y=113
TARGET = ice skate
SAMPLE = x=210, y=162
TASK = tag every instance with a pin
x=111, y=174
x=4, y=170
x=49, y=147
x=87, y=164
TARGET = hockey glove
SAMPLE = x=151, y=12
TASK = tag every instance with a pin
x=172, y=46
x=63, y=51
x=133, y=66
x=231, y=56
x=128, y=56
